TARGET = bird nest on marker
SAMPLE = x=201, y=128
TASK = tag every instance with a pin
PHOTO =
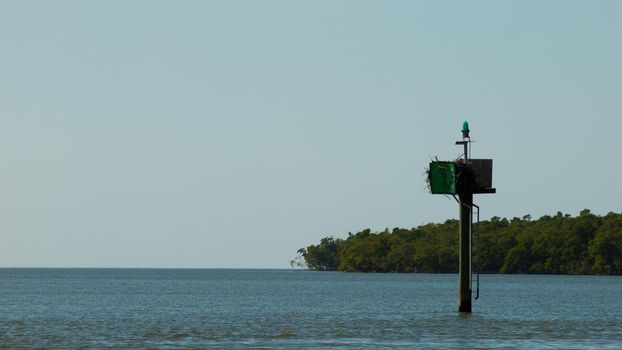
x=465, y=177
x=428, y=179
x=428, y=176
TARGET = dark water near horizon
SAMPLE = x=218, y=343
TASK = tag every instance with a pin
x=152, y=308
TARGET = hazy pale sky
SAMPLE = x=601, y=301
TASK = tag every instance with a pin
x=232, y=133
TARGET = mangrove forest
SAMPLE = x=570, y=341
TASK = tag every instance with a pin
x=559, y=244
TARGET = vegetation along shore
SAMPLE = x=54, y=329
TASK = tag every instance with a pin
x=560, y=244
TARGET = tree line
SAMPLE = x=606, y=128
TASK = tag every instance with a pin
x=560, y=244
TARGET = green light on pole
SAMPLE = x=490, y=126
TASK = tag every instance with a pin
x=465, y=129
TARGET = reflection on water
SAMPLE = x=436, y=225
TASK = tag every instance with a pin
x=300, y=309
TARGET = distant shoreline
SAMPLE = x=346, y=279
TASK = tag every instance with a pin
x=586, y=244
x=274, y=270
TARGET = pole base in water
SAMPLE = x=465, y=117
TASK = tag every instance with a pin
x=465, y=306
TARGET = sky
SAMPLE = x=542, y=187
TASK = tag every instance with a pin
x=229, y=134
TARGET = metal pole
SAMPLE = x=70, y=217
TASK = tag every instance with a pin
x=464, y=270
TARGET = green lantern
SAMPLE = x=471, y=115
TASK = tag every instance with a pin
x=465, y=129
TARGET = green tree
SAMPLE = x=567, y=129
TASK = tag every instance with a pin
x=324, y=256
x=606, y=248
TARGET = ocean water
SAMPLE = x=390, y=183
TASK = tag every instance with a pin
x=262, y=309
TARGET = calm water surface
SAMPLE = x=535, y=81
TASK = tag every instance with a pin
x=135, y=308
